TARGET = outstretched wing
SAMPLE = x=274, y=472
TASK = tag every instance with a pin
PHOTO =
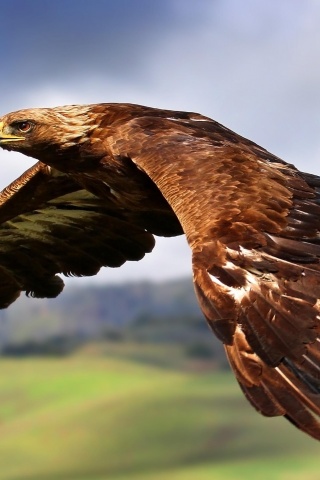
x=253, y=223
x=263, y=302
x=49, y=224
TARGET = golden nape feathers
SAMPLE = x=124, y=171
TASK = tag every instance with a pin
x=110, y=176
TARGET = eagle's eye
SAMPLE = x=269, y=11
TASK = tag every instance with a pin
x=23, y=126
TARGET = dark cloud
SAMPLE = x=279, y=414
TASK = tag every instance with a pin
x=66, y=38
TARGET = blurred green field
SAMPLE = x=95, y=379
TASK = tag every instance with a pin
x=93, y=416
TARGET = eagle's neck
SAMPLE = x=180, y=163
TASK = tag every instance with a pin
x=78, y=123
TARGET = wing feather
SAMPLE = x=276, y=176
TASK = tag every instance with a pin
x=253, y=223
x=51, y=225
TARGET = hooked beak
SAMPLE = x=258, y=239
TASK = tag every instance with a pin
x=5, y=138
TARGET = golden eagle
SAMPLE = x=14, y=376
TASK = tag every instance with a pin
x=110, y=176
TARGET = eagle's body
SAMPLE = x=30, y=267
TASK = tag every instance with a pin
x=110, y=176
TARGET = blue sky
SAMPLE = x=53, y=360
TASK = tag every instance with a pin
x=252, y=65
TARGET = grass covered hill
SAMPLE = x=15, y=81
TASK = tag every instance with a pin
x=96, y=416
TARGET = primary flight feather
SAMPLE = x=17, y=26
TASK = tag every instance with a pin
x=111, y=176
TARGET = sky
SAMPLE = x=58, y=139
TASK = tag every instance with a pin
x=252, y=65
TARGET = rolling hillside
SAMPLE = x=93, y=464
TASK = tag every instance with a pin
x=92, y=416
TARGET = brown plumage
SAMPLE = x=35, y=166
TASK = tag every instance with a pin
x=110, y=176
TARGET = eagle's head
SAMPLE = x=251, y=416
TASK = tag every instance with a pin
x=38, y=132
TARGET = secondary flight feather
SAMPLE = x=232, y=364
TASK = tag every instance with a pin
x=111, y=176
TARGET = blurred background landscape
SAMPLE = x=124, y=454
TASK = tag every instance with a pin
x=127, y=382
x=120, y=377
